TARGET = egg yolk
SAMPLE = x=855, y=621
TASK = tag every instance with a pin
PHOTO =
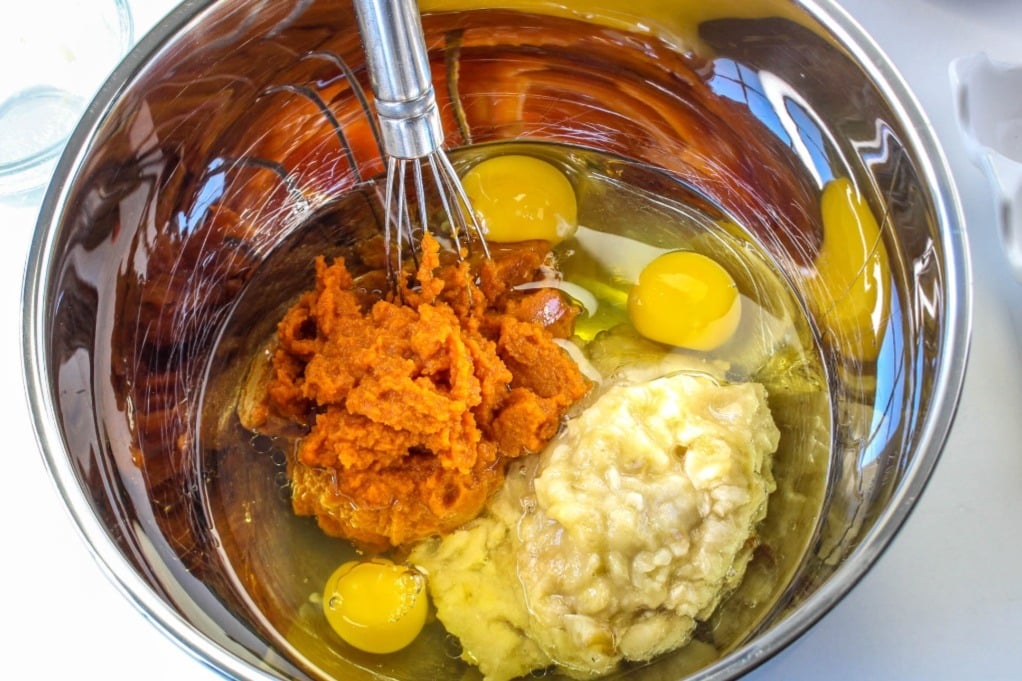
x=850, y=289
x=376, y=606
x=518, y=198
x=685, y=299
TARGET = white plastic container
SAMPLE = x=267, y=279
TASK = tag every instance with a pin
x=988, y=103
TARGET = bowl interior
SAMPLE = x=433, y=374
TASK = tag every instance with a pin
x=240, y=142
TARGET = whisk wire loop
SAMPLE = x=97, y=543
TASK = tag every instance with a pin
x=462, y=218
x=443, y=182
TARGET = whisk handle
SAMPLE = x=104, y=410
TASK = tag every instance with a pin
x=399, y=73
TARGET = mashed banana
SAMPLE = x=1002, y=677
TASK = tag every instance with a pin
x=631, y=526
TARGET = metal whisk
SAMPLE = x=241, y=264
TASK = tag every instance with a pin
x=410, y=126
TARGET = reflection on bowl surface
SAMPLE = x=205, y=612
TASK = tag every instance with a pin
x=243, y=146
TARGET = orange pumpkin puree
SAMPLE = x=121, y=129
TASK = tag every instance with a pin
x=417, y=403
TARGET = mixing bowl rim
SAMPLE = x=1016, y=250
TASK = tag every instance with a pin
x=950, y=372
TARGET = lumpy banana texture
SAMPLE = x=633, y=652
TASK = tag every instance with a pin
x=631, y=526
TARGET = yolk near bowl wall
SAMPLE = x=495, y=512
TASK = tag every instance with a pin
x=218, y=171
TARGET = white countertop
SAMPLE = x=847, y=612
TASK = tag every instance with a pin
x=944, y=602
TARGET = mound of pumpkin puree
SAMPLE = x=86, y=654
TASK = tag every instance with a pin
x=416, y=404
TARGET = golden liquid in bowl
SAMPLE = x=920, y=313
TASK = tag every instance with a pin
x=628, y=213
x=212, y=191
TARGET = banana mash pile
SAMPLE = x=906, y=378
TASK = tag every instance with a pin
x=632, y=525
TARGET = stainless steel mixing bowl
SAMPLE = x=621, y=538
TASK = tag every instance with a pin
x=234, y=123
